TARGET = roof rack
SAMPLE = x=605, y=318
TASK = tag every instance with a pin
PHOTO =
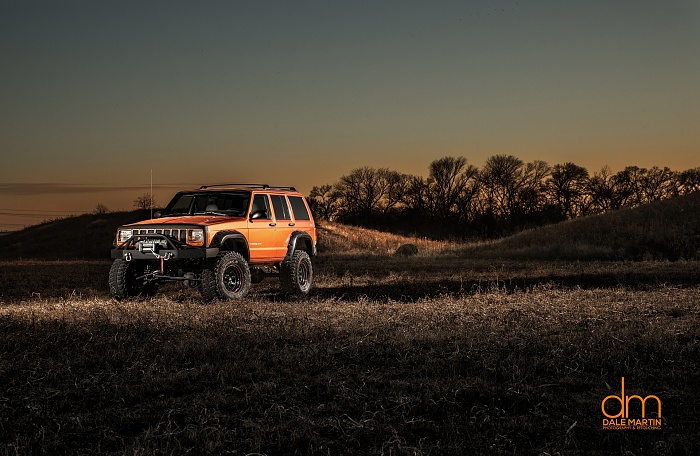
x=263, y=186
x=234, y=185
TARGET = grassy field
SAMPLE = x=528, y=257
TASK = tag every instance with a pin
x=436, y=354
x=504, y=347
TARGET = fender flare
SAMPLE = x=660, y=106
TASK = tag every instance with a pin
x=294, y=238
x=222, y=237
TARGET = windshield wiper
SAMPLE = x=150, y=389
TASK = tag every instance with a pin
x=216, y=213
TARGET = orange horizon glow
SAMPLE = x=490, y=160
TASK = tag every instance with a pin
x=304, y=92
x=27, y=204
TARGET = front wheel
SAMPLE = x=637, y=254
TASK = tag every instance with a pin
x=297, y=274
x=124, y=283
x=228, y=279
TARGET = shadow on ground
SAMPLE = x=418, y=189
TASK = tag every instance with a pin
x=377, y=280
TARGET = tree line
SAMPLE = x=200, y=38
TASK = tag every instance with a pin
x=505, y=195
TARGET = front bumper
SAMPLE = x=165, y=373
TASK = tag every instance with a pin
x=133, y=254
x=155, y=247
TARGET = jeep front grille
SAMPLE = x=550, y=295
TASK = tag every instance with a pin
x=177, y=234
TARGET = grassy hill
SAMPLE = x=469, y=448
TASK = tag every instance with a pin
x=87, y=236
x=665, y=230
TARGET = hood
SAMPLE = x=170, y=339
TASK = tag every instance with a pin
x=204, y=220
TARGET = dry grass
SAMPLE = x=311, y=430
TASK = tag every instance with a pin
x=339, y=238
x=432, y=355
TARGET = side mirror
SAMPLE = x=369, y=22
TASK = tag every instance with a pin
x=157, y=214
x=257, y=215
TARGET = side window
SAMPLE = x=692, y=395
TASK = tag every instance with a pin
x=279, y=203
x=261, y=203
x=299, y=208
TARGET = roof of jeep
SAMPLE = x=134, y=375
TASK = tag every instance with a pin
x=248, y=187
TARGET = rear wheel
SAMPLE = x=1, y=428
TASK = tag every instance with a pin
x=228, y=279
x=296, y=274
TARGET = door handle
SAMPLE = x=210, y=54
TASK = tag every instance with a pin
x=292, y=224
x=273, y=224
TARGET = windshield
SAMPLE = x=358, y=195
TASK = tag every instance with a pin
x=232, y=204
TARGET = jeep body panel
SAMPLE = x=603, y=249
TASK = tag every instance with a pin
x=214, y=236
x=267, y=237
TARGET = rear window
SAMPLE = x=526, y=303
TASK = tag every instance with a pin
x=279, y=202
x=299, y=208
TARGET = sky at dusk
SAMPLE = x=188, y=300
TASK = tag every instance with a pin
x=95, y=94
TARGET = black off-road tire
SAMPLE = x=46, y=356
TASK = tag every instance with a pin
x=297, y=273
x=228, y=279
x=122, y=281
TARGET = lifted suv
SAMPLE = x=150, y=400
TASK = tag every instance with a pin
x=219, y=238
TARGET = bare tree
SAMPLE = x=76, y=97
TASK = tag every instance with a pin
x=324, y=201
x=627, y=185
x=657, y=184
x=448, y=178
x=416, y=194
x=509, y=186
x=612, y=191
x=468, y=203
x=101, y=209
x=500, y=181
x=395, y=184
x=566, y=187
x=600, y=189
x=532, y=196
x=366, y=191
x=357, y=191
x=145, y=202
x=688, y=181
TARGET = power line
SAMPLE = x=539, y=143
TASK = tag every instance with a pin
x=9, y=214
x=38, y=210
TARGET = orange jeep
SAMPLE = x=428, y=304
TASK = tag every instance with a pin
x=219, y=238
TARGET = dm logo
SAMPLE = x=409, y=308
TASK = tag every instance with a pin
x=619, y=416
